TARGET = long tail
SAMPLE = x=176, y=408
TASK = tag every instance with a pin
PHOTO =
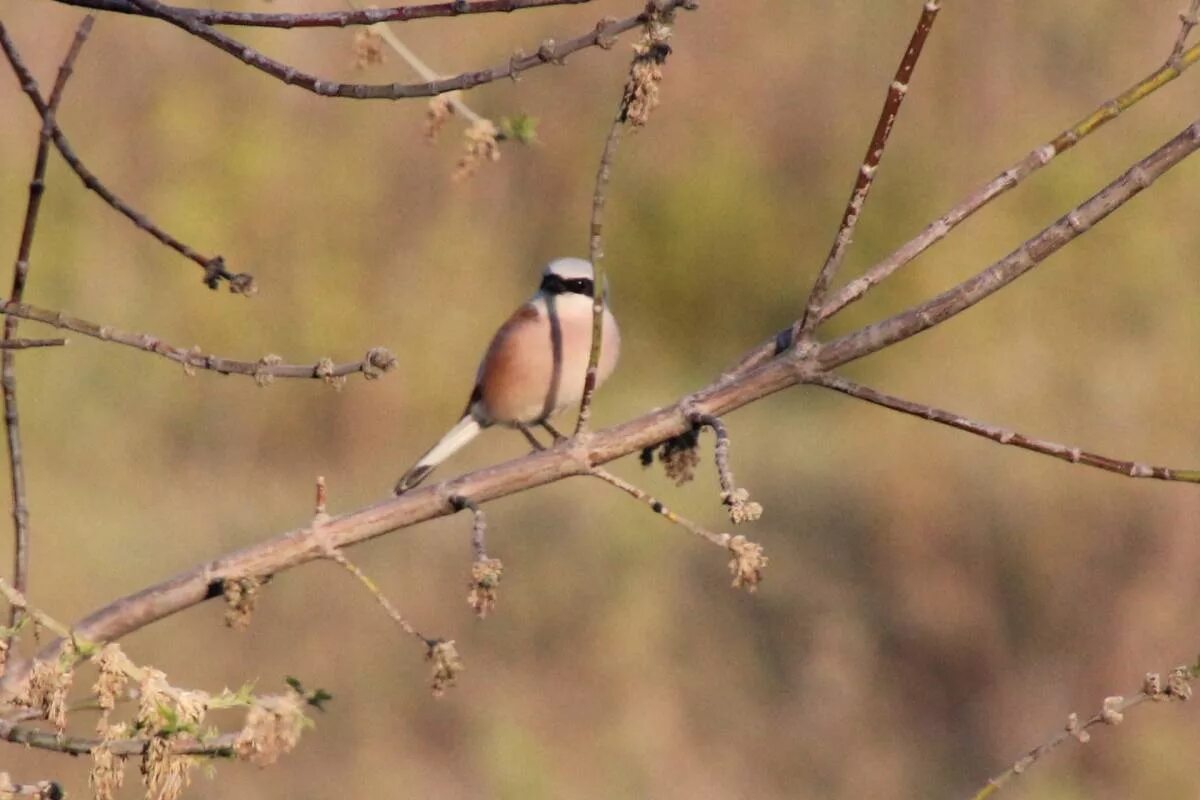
x=454, y=440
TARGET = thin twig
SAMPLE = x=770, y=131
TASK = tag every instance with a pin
x=377, y=361
x=1072, y=455
x=214, y=267
x=220, y=747
x=719, y=539
x=734, y=498
x=644, y=72
x=549, y=52
x=330, y=19
x=423, y=70
x=1188, y=20
x=441, y=653
x=26, y=344
x=339, y=557
x=1178, y=687
x=599, y=274
x=478, y=526
x=897, y=91
x=8, y=375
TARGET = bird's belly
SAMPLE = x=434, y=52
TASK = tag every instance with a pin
x=538, y=369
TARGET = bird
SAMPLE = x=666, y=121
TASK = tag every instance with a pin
x=534, y=366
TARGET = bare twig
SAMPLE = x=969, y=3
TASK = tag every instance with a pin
x=1188, y=20
x=478, y=526
x=485, y=572
x=600, y=276
x=1112, y=711
x=330, y=19
x=747, y=562
x=214, y=267
x=441, y=653
x=423, y=70
x=719, y=539
x=221, y=746
x=26, y=344
x=8, y=375
x=650, y=54
x=377, y=361
x=549, y=52
x=736, y=499
x=1072, y=455
x=866, y=173
x=339, y=557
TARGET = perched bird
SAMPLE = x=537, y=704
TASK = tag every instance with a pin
x=534, y=366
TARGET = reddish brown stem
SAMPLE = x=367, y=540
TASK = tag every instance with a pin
x=8, y=375
x=330, y=19
x=866, y=173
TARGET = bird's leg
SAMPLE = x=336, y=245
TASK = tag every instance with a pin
x=524, y=429
x=558, y=437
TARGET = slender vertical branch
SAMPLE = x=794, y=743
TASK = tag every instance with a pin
x=638, y=99
x=8, y=375
x=596, y=256
x=866, y=173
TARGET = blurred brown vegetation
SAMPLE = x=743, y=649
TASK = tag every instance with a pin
x=935, y=603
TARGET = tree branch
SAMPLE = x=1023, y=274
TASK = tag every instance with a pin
x=897, y=91
x=1072, y=455
x=329, y=19
x=8, y=373
x=1006, y=180
x=26, y=344
x=1034, y=251
x=377, y=361
x=549, y=52
x=1112, y=712
x=214, y=268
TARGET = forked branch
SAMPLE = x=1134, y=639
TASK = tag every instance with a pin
x=896, y=93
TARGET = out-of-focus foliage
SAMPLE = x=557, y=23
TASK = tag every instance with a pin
x=935, y=604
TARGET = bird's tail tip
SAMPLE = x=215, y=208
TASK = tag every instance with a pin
x=411, y=478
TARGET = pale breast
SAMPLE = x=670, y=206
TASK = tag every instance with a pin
x=536, y=363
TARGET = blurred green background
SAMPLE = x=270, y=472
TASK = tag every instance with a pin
x=935, y=604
